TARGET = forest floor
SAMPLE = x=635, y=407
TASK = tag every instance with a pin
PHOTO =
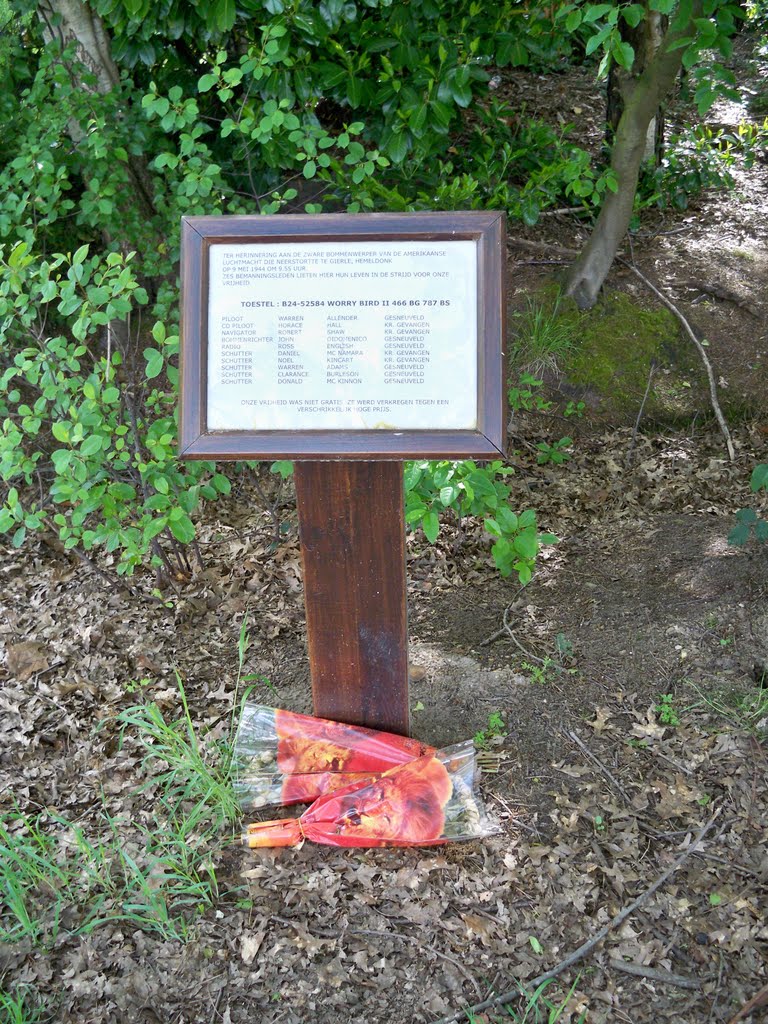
x=631, y=676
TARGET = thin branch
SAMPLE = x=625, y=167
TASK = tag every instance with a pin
x=527, y=653
x=599, y=764
x=700, y=348
x=760, y=999
x=541, y=263
x=590, y=944
x=632, y=443
x=503, y=630
x=114, y=583
x=654, y=974
x=528, y=246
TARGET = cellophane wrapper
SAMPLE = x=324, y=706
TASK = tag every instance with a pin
x=426, y=802
x=284, y=758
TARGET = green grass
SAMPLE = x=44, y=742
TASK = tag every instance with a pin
x=17, y=1007
x=532, y=1008
x=746, y=712
x=178, y=764
x=58, y=876
x=544, y=338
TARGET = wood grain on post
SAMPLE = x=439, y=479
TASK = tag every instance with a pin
x=352, y=526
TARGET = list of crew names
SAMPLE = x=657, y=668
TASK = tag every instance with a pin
x=344, y=335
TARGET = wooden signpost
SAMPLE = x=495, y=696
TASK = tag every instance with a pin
x=347, y=343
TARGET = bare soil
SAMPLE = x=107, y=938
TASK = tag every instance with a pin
x=642, y=597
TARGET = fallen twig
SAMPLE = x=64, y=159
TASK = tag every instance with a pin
x=540, y=263
x=517, y=643
x=761, y=999
x=590, y=944
x=655, y=974
x=700, y=348
x=503, y=630
x=632, y=443
x=599, y=764
x=524, y=243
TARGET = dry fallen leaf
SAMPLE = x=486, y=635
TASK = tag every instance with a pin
x=27, y=658
x=250, y=944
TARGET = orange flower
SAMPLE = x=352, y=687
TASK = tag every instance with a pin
x=402, y=808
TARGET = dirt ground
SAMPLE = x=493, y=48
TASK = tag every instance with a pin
x=596, y=797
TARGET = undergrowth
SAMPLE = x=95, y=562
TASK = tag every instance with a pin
x=156, y=874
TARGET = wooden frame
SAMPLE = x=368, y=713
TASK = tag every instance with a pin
x=487, y=441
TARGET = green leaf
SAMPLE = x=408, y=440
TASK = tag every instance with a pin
x=739, y=535
x=633, y=14
x=597, y=40
x=431, y=526
x=60, y=431
x=759, y=477
x=746, y=516
x=18, y=538
x=623, y=54
x=526, y=544
x=80, y=255
x=17, y=254
x=310, y=167
x=448, y=494
x=354, y=91
x=284, y=468
x=91, y=445
x=222, y=14
x=397, y=147
x=182, y=529
x=206, y=83
x=415, y=514
x=492, y=527
x=154, y=362
x=594, y=12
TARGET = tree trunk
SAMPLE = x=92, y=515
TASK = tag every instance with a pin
x=645, y=39
x=76, y=21
x=642, y=98
x=73, y=20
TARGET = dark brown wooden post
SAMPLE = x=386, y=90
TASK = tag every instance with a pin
x=348, y=464
x=351, y=520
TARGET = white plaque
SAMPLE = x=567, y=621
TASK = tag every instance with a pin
x=343, y=335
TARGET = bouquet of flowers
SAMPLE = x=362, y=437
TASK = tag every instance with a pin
x=427, y=800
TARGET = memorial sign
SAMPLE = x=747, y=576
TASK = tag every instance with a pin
x=355, y=336
x=348, y=343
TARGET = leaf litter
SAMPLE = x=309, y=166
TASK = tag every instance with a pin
x=320, y=934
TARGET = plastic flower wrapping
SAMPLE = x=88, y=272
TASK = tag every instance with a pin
x=286, y=758
x=428, y=797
